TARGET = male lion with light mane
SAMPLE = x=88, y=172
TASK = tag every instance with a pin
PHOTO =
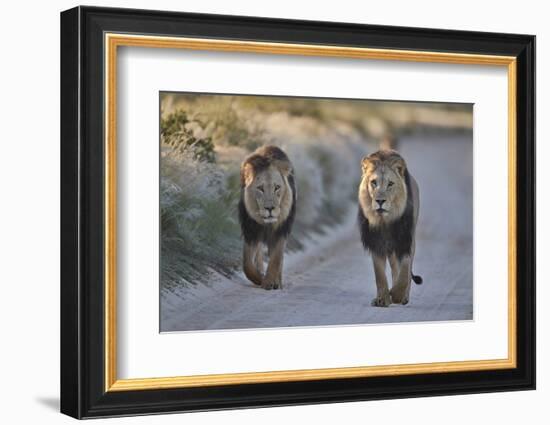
x=388, y=212
x=267, y=208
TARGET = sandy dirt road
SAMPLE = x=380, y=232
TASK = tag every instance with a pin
x=332, y=281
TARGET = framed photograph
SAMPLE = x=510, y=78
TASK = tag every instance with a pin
x=261, y=212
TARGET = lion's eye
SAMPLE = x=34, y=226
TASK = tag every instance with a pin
x=390, y=184
x=260, y=188
x=373, y=183
x=277, y=187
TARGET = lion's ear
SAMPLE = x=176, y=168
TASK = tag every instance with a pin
x=247, y=174
x=284, y=167
x=366, y=162
x=399, y=166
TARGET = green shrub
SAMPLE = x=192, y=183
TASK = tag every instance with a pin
x=177, y=132
x=199, y=228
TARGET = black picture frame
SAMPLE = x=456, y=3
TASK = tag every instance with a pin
x=83, y=392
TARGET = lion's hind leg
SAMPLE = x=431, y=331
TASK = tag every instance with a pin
x=394, y=265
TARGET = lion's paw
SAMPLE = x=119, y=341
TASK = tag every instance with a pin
x=267, y=285
x=270, y=284
x=381, y=301
x=398, y=297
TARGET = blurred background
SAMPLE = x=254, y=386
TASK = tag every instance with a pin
x=204, y=138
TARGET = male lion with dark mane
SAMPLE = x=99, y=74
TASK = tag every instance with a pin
x=267, y=208
x=388, y=212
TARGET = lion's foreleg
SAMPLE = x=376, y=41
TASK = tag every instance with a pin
x=383, y=298
x=249, y=264
x=401, y=288
x=273, y=278
x=259, y=259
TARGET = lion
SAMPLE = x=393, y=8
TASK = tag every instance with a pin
x=267, y=208
x=388, y=213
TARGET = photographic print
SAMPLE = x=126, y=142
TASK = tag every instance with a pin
x=289, y=211
x=309, y=229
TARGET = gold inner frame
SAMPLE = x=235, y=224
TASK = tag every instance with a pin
x=113, y=41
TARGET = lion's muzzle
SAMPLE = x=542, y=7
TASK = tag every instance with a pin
x=270, y=215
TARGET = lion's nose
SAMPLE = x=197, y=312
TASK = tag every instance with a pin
x=380, y=202
x=269, y=209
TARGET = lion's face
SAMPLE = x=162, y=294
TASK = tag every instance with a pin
x=383, y=191
x=267, y=196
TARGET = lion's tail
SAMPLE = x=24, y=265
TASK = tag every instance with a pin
x=416, y=279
